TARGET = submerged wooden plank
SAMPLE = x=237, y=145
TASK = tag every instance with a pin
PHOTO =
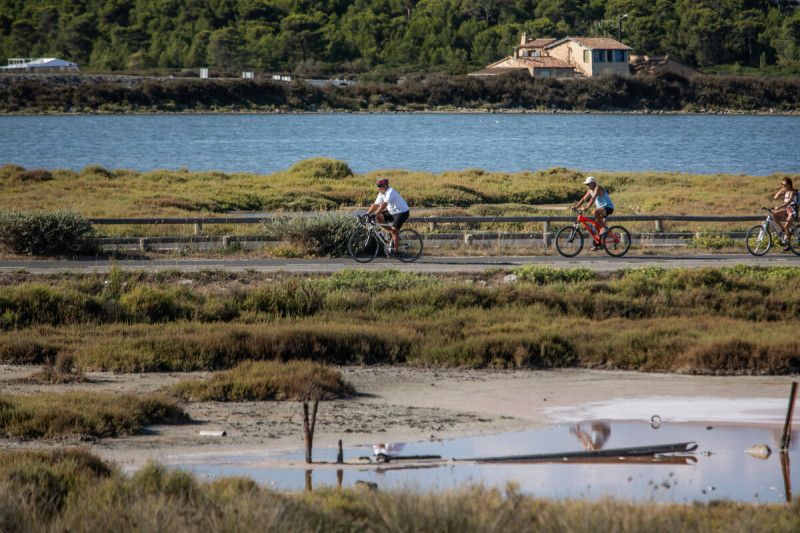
x=655, y=449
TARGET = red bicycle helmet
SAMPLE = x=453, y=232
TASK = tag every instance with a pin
x=383, y=182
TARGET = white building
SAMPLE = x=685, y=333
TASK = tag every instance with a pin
x=42, y=64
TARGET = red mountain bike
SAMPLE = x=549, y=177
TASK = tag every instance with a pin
x=616, y=240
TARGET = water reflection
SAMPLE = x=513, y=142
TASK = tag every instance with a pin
x=593, y=439
x=719, y=469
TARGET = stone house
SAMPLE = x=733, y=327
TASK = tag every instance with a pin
x=563, y=58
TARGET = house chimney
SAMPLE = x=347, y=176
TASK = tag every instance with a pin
x=516, y=52
x=524, y=39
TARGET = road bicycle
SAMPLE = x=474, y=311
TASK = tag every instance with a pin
x=366, y=242
x=759, y=238
x=616, y=240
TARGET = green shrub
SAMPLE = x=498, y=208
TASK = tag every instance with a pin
x=322, y=168
x=145, y=304
x=42, y=233
x=713, y=241
x=267, y=380
x=325, y=234
x=96, y=171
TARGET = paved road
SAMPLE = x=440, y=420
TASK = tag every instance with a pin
x=424, y=264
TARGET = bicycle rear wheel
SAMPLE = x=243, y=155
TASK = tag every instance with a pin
x=794, y=241
x=758, y=240
x=616, y=241
x=363, y=246
x=409, y=245
x=569, y=241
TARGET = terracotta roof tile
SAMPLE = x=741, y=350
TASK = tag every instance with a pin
x=537, y=43
x=595, y=43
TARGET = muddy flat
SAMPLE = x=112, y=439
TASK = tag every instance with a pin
x=398, y=404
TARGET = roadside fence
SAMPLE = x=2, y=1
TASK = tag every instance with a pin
x=432, y=237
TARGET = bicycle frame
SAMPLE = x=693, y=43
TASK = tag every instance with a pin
x=590, y=226
x=384, y=237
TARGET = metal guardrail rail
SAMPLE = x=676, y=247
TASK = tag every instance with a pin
x=432, y=221
x=545, y=236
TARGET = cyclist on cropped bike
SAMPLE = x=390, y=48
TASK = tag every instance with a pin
x=389, y=207
x=604, y=207
x=786, y=212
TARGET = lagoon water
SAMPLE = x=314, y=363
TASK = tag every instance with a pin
x=501, y=142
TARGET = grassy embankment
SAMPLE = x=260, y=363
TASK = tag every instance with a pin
x=321, y=184
x=74, y=491
x=732, y=320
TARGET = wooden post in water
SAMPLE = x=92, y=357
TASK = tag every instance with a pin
x=340, y=454
x=787, y=426
x=308, y=427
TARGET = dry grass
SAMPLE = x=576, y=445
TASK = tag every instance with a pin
x=267, y=380
x=73, y=491
x=308, y=186
x=84, y=414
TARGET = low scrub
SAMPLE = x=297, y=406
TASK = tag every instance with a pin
x=649, y=318
x=42, y=233
x=324, y=234
x=267, y=380
x=84, y=414
x=74, y=491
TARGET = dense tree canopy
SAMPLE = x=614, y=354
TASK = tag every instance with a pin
x=393, y=35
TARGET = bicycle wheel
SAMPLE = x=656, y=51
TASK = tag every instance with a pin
x=616, y=241
x=363, y=246
x=794, y=241
x=758, y=240
x=409, y=245
x=569, y=241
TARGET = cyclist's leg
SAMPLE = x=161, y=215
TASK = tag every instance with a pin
x=600, y=218
x=397, y=223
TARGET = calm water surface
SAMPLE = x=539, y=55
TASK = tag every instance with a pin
x=703, y=144
x=718, y=468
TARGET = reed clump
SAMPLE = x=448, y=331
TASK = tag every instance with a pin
x=84, y=414
x=74, y=491
x=267, y=380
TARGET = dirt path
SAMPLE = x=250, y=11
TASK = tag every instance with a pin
x=393, y=405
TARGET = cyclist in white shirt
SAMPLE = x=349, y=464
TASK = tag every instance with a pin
x=389, y=207
x=783, y=215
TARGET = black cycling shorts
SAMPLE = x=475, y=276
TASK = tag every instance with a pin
x=609, y=210
x=397, y=219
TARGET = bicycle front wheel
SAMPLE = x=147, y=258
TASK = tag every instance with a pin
x=409, y=245
x=758, y=240
x=569, y=241
x=363, y=246
x=616, y=241
x=794, y=241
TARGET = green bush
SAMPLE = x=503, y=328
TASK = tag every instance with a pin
x=321, y=167
x=41, y=233
x=325, y=234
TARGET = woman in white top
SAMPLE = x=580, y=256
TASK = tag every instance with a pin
x=390, y=207
x=784, y=214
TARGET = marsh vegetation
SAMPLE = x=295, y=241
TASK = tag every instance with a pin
x=72, y=490
x=735, y=320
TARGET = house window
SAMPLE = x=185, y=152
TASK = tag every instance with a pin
x=610, y=55
x=599, y=56
x=544, y=73
x=587, y=56
x=620, y=56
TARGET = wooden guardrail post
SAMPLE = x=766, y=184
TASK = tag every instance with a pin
x=659, y=226
x=198, y=228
